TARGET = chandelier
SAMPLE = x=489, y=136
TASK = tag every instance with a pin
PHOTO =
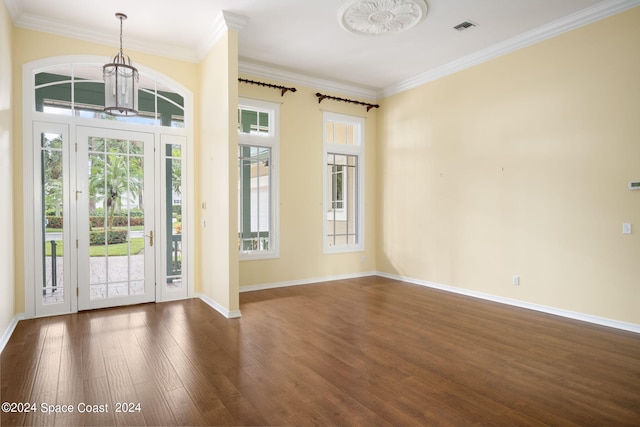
x=120, y=83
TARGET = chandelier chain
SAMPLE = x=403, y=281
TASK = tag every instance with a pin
x=121, y=19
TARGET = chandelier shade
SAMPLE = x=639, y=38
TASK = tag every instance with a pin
x=121, y=81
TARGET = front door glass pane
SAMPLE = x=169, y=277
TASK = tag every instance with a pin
x=52, y=185
x=116, y=218
x=173, y=189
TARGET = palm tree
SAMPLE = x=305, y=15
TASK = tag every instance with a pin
x=113, y=177
x=176, y=171
x=52, y=175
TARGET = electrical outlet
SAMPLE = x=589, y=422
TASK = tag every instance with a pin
x=626, y=228
x=515, y=280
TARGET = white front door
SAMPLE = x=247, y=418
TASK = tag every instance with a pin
x=115, y=201
x=94, y=218
x=107, y=219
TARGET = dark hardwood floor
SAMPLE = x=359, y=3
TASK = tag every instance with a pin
x=362, y=352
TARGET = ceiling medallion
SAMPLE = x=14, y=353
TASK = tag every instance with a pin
x=374, y=17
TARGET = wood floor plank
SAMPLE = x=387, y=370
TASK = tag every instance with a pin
x=136, y=361
x=367, y=351
x=96, y=405
x=92, y=360
x=123, y=397
x=40, y=417
x=184, y=409
x=156, y=361
x=17, y=383
x=155, y=408
x=49, y=364
x=70, y=384
x=200, y=389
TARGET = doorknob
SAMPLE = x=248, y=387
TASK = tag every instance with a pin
x=150, y=236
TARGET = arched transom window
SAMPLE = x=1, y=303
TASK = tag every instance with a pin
x=78, y=90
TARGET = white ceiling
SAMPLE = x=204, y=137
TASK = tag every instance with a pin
x=303, y=37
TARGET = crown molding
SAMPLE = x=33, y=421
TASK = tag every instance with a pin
x=234, y=21
x=555, y=28
x=224, y=21
x=42, y=24
x=230, y=21
x=272, y=72
x=15, y=9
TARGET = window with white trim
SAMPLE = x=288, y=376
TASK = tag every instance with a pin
x=78, y=90
x=258, y=142
x=343, y=183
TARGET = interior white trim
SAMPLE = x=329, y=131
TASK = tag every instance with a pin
x=271, y=141
x=29, y=117
x=602, y=321
x=45, y=25
x=234, y=21
x=356, y=149
x=9, y=331
x=631, y=327
x=15, y=8
x=555, y=28
x=307, y=281
x=560, y=26
x=229, y=314
x=224, y=21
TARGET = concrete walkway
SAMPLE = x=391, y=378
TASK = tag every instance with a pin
x=125, y=277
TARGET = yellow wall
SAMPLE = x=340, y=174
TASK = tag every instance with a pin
x=218, y=267
x=7, y=292
x=301, y=187
x=33, y=45
x=520, y=166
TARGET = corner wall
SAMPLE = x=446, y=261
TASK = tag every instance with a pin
x=7, y=276
x=520, y=166
x=217, y=273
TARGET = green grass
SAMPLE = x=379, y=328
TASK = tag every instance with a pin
x=132, y=228
x=137, y=245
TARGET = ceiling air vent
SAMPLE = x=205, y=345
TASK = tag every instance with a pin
x=464, y=25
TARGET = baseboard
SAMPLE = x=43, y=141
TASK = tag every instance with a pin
x=9, y=331
x=233, y=314
x=631, y=327
x=309, y=281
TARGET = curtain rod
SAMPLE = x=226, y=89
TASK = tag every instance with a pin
x=283, y=89
x=322, y=97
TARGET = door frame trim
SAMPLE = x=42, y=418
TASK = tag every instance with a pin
x=29, y=116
